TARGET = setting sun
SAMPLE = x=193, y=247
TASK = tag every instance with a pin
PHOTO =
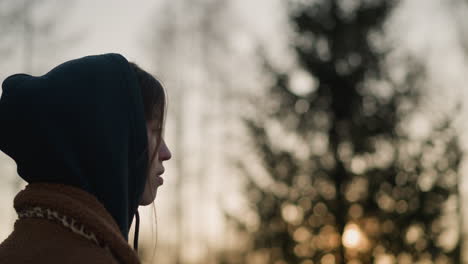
x=353, y=237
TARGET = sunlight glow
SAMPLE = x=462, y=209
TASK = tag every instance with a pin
x=353, y=238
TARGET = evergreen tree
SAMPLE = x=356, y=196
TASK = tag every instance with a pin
x=356, y=186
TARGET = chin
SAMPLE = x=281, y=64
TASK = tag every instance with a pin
x=154, y=196
x=149, y=193
x=143, y=203
x=148, y=200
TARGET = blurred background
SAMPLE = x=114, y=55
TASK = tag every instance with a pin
x=302, y=131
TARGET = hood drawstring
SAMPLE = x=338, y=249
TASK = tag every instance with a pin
x=137, y=229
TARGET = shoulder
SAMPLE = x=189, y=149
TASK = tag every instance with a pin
x=79, y=255
x=38, y=241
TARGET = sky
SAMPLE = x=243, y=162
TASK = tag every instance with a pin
x=422, y=27
x=114, y=26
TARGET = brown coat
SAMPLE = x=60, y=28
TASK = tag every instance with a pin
x=63, y=224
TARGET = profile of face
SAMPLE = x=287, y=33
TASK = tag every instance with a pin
x=154, y=179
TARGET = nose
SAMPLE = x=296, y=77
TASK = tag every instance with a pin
x=164, y=152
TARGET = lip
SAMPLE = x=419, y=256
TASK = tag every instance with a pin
x=159, y=180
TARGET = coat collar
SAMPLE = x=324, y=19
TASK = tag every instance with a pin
x=83, y=207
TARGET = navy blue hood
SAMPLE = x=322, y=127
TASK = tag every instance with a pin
x=80, y=124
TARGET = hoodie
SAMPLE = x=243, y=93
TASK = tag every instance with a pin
x=81, y=124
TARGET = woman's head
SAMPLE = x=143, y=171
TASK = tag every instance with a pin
x=84, y=124
x=154, y=102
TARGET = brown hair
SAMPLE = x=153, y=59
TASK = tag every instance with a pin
x=154, y=100
x=154, y=103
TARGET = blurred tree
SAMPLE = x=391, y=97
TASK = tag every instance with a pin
x=9, y=18
x=31, y=35
x=28, y=26
x=349, y=180
x=187, y=43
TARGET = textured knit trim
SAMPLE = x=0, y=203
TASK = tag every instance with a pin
x=84, y=208
x=66, y=221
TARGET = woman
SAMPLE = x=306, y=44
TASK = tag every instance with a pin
x=87, y=137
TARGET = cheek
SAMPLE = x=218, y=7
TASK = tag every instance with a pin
x=151, y=151
x=151, y=143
